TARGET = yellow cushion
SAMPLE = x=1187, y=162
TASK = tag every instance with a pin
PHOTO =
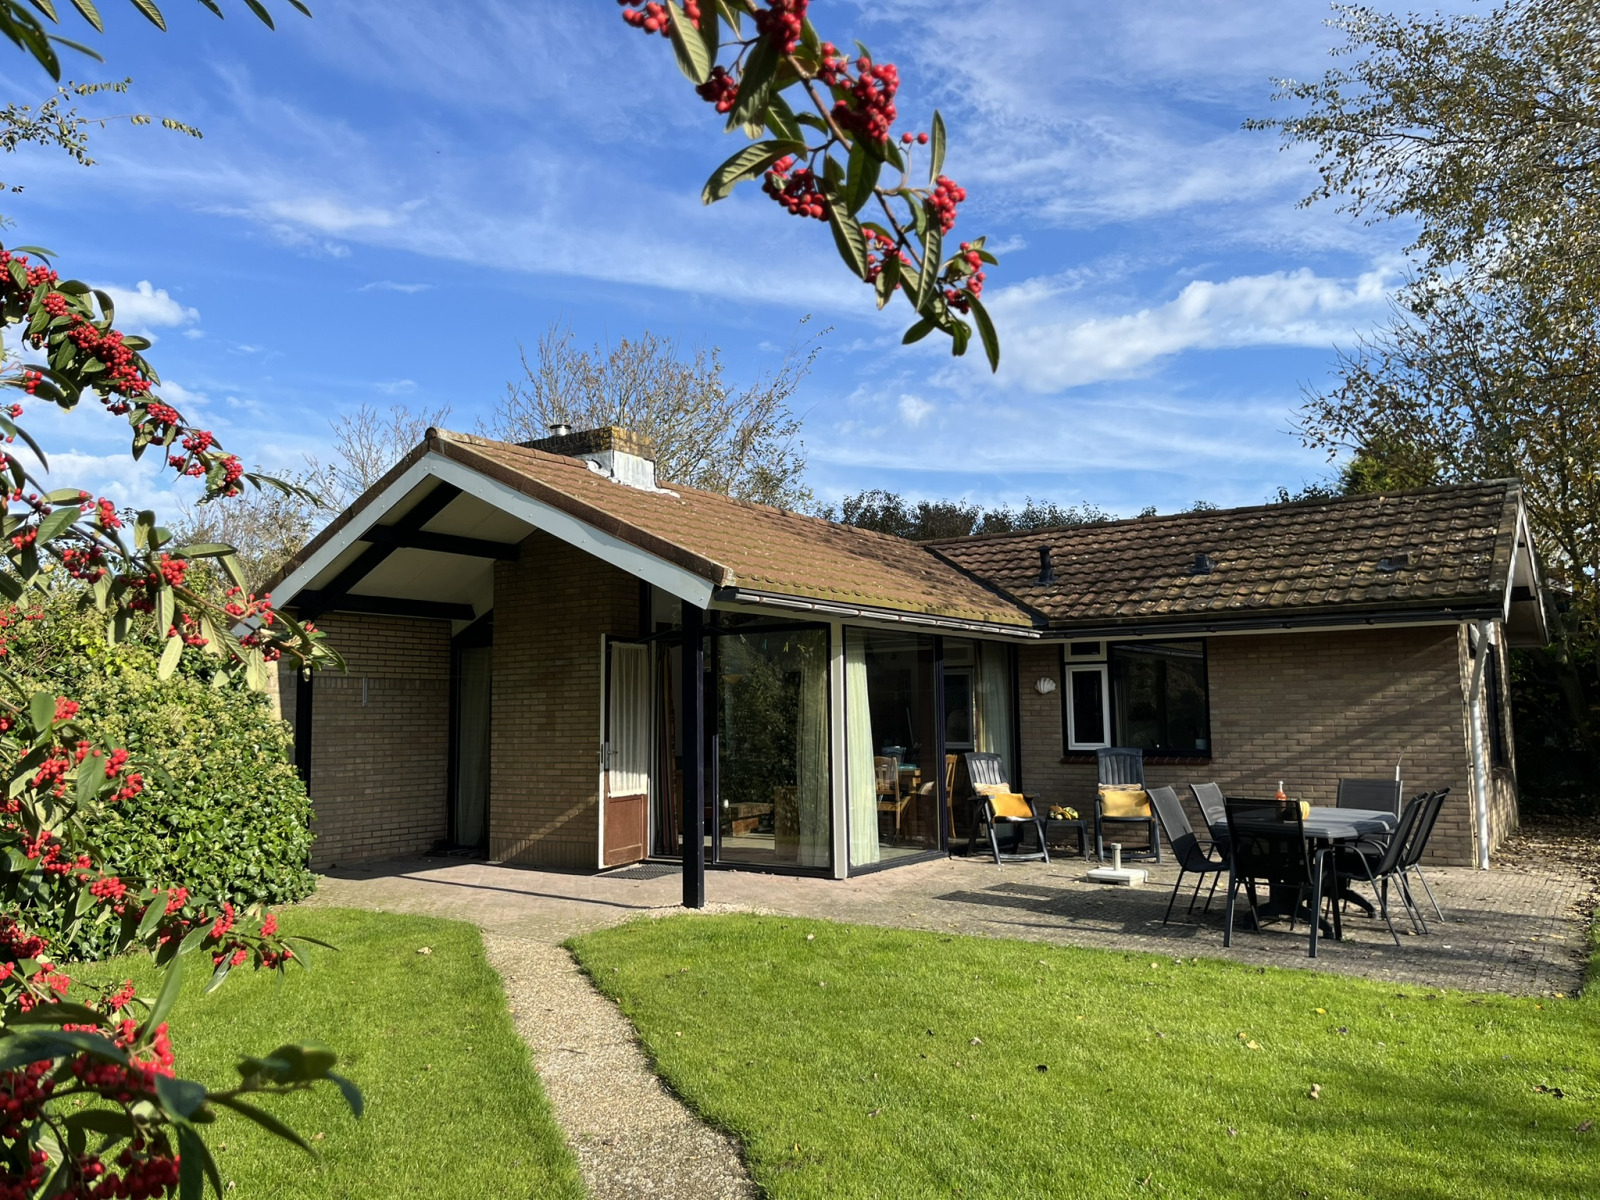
x=1009, y=804
x=1305, y=809
x=1124, y=802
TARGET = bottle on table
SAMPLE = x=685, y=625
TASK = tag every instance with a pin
x=1280, y=795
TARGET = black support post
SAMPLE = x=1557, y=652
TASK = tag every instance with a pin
x=694, y=759
x=303, y=684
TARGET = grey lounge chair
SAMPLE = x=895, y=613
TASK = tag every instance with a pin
x=996, y=805
x=1187, y=848
x=1419, y=843
x=1381, y=794
x=1214, y=807
x=1122, y=766
x=1379, y=862
x=1269, y=845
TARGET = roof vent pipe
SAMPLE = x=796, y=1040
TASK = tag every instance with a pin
x=559, y=429
x=1047, y=571
x=1204, y=564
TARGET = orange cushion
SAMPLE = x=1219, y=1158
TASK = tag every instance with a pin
x=1009, y=804
x=1124, y=802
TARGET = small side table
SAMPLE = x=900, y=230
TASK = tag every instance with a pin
x=1052, y=825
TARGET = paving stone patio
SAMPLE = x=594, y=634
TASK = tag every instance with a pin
x=1518, y=929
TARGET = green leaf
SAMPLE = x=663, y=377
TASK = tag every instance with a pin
x=63, y=496
x=928, y=282
x=165, y=607
x=689, y=46
x=171, y=987
x=960, y=334
x=352, y=1094
x=888, y=276
x=204, y=550
x=196, y=1166
x=142, y=525
x=755, y=85
x=171, y=655
x=217, y=976
x=860, y=178
x=179, y=1098
x=271, y=1123
x=64, y=1013
x=936, y=149
x=709, y=31
x=747, y=164
x=230, y=564
x=781, y=120
x=21, y=1049
x=256, y=7
x=847, y=236
x=41, y=711
x=55, y=524
x=919, y=331
x=89, y=14
x=152, y=917
x=731, y=13
x=991, y=343
x=193, y=938
x=113, y=1122
x=152, y=14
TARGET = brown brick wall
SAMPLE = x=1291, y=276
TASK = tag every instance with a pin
x=1305, y=708
x=551, y=607
x=380, y=739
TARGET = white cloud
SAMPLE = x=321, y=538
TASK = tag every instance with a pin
x=389, y=285
x=147, y=307
x=396, y=387
x=1050, y=347
x=914, y=409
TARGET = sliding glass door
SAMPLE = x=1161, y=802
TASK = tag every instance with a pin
x=771, y=765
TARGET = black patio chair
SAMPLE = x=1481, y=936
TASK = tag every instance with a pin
x=1380, y=794
x=1410, y=864
x=1380, y=862
x=1192, y=854
x=997, y=806
x=1122, y=767
x=1269, y=845
x=1214, y=807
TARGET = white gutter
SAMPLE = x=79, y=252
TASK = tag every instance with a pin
x=1475, y=730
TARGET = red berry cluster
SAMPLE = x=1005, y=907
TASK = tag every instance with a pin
x=124, y=375
x=947, y=193
x=879, y=248
x=173, y=570
x=920, y=139
x=24, y=1185
x=868, y=111
x=783, y=23
x=86, y=563
x=653, y=17
x=721, y=89
x=799, y=192
x=22, y=1095
x=960, y=298
x=106, y=514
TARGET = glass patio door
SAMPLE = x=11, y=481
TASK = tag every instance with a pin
x=770, y=778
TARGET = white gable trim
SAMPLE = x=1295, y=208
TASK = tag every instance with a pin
x=669, y=577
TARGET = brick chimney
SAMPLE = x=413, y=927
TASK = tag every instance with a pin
x=620, y=454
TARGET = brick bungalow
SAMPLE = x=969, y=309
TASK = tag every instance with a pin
x=517, y=618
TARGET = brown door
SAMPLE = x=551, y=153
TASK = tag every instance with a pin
x=627, y=775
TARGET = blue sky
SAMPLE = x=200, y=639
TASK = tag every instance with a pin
x=390, y=195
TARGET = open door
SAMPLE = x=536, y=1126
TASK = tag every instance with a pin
x=627, y=774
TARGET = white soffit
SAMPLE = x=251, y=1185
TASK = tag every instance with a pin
x=430, y=575
x=501, y=513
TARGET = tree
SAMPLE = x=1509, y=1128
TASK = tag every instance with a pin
x=932, y=520
x=1483, y=131
x=708, y=433
x=847, y=112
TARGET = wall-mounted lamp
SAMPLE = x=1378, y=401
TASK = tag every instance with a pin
x=1045, y=686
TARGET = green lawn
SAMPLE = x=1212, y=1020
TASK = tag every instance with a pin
x=846, y=1065
x=454, y=1107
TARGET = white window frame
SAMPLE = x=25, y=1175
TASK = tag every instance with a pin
x=1085, y=668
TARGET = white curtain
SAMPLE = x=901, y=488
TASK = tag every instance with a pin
x=473, y=686
x=994, y=704
x=862, y=781
x=812, y=767
x=630, y=720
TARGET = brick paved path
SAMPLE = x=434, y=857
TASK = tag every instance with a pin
x=1515, y=930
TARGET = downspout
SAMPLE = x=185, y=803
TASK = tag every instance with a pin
x=1475, y=730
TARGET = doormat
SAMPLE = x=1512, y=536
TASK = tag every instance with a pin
x=646, y=871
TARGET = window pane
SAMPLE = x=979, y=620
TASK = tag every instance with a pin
x=1159, y=689
x=1088, y=708
x=901, y=729
x=958, y=709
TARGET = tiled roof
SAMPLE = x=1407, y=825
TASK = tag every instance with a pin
x=1270, y=560
x=731, y=543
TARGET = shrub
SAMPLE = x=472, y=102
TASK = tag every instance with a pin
x=225, y=813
